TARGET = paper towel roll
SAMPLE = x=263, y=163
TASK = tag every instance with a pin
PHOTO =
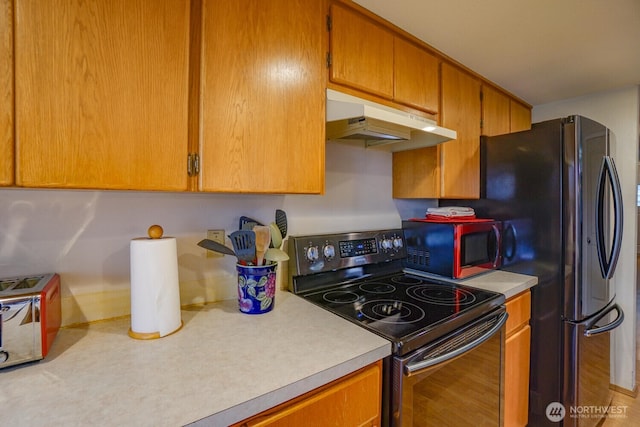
x=155, y=291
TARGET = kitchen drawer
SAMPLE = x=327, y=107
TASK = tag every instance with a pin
x=519, y=309
x=354, y=400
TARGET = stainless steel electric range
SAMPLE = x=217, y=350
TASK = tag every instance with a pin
x=443, y=334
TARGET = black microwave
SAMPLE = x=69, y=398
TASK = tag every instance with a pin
x=455, y=249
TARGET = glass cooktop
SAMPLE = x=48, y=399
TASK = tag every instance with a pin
x=406, y=309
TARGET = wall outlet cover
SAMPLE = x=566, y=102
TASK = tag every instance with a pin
x=217, y=236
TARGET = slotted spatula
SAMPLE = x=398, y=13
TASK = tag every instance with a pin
x=244, y=245
x=246, y=223
x=281, y=222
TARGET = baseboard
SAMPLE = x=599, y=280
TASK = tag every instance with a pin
x=633, y=393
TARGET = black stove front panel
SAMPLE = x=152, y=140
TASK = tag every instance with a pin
x=408, y=310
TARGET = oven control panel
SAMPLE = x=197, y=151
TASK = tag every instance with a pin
x=329, y=252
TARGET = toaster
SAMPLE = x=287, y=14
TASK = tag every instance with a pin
x=30, y=316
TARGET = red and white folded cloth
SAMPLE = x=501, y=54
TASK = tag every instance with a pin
x=451, y=212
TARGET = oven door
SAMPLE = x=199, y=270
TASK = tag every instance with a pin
x=455, y=381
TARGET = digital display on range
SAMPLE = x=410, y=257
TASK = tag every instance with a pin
x=351, y=248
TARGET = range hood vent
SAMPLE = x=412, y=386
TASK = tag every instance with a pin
x=381, y=127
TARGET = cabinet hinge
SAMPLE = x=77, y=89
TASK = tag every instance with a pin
x=193, y=164
x=329, y=23
x=328, y=59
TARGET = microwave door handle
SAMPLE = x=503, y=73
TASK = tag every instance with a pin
x=496, y=253
x=422, y=365
x=608, y=262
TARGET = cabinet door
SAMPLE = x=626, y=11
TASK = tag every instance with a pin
x=461, y=111
x=263, y=96
x=516, y=368
x=495, y=112
x=416, y=174
x=101, y=94
x=502, y=114
x=452, y=169
x=6, y=92
x=354, y=401
x=516, y=353
x=416, y=76
x=520, y=116
x=361, y=52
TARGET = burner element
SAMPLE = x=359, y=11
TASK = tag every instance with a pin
x=340, y=297
x=406, y=280
x=391, y=311
x=441, y=295
x=377, y=288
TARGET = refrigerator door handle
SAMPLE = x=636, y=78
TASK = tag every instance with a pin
x=608, y=262
x=590, y=330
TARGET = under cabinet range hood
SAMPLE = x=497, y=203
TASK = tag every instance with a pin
x=381, y=127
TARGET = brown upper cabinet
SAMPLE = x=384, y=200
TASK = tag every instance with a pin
x=263, y=96
x=101, y=94
x=502, y=114
x=520, y=116
x=175, y=95
x=461, y=111
x=416, y=77
x=119, y=95
x=452, y=169
x=6, y=93
x=370, y=58
x=361, y=52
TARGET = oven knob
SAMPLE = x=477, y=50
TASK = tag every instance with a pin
x=386, y=244
x=312, y=253
x=329, y=251
x=397, y=243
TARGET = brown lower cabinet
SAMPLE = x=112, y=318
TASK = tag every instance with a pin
x=516, y=363
x=353, y=400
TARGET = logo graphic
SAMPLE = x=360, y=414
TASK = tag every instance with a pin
x=555, y=412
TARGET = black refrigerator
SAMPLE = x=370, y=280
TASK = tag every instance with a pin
x=556, y=189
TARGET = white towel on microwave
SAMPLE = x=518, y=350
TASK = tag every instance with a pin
x=451, y=211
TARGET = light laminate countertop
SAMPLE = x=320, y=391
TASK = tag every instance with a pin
x=221, y=367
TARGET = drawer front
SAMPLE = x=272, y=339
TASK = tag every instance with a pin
x=519, y=309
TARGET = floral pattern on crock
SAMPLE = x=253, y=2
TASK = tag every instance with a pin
x=251, y=291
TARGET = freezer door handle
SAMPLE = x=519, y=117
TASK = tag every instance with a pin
x=590, y=330
x=608, y=261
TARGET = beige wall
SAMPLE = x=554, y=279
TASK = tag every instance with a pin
x=85, y=235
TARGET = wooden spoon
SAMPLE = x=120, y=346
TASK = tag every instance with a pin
x=263, y=239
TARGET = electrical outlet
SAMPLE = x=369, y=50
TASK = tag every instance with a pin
x=216, y=236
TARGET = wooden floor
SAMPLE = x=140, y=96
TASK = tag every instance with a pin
x=627, y=403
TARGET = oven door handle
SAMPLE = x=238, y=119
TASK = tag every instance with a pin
x=425, y=362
